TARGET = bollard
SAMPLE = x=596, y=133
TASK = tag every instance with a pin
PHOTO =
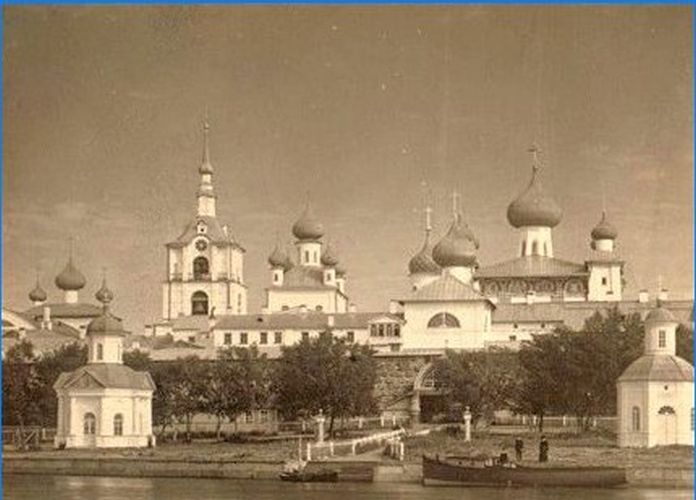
x=309, y=452
x=352, y=447
x=524, y=419
x=331, y=448
x=304, y=426
x=565, y=421
x=467, y=424
x=402, y=451
x=360, y=422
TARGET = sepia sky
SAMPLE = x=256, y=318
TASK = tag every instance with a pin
x=357, y=105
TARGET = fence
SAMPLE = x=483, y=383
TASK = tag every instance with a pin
x=351, y=447
x=556, y=421
x=26, y=437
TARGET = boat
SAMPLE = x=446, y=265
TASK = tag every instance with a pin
x=483, y=471
x=303, y=476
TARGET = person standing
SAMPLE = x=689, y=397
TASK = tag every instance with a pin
x=519, y=448
x=543, y=450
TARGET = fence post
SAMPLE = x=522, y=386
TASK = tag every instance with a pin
x=304, y=428
x=309, y=452
x=381, y=420
x=393, y=420
x=565, y=421
x=331, y=448
x=360, y=422
x=352, y=447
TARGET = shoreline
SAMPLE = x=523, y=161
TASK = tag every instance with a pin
x=407, y=472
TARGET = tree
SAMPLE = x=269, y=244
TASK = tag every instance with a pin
x=137, y=360
x=685, y=343
x=186, y=390
x=484, y=380
x=238, y=381
x=21, y=387
x=327, y=374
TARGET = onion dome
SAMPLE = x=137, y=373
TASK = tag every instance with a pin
x=308, y=226
x=422, y=262
x=70, y=278
x=534, y=207
x=278, y=257
x=660, y=315
x=107, y=323
x=38, y=294
x=458, y=247
x=328, y=258
x=604, y=230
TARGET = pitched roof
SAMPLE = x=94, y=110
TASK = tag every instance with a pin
x=446, y=288
x=659, y=367
x=109, y=376
x=43, y=340
x=65, y=310
x=574, y=314
x=197, y=322
x=299, y=321
x=214, y=233
x=532, y=266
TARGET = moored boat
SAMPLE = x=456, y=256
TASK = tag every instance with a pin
x=472, y=471
x=302, y=476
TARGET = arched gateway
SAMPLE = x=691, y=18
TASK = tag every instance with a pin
x=427, y=400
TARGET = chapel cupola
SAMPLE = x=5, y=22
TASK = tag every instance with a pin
x=660, y=331
x=535, y=213
x=604, y=234
x=105, y=333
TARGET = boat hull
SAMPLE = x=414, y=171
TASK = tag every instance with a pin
x=447, y=472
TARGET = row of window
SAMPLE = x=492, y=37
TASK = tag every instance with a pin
x=89, y=424
x=264, y=338
x=385, y=330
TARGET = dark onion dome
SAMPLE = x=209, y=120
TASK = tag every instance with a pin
x=604, y=230
x=104, y=295
x=278, y=257
x=458, y=247
x=38, y=294
x=534, y=207
x=307, y=226
x=422, y=262
x=328, y=257
x=660, y=315
x=70, y=278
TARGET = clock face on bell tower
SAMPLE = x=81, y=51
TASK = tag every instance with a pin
x=201, y=245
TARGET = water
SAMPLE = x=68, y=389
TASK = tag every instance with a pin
x=25, y=487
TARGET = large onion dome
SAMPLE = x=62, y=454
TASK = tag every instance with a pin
x=107, y=323
x=38, y=294
x=604, y=230
x=458, y=247
x=422, y=262
x=308, y=226
x=534, y=207
x=328, y=257
x=70, y=278
x=278, y=257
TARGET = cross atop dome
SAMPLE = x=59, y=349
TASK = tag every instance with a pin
x=534, y=149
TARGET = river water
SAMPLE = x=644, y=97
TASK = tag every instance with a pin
x=25, y=487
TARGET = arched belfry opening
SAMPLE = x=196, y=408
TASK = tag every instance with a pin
x=199, y=303
x=201, y=268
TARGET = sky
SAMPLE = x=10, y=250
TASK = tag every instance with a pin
x=369, y=110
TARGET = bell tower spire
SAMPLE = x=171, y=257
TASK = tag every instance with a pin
x=206, y=195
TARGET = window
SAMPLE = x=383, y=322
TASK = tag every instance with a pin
x=635, y=419
x=100, y=352
x=248, y=417
x=543, y=325
x=604, y=280
x=305, y=335
x=515, y=326
x=228, y=339
x=285, y=308
x=192, y=338
x=276, y=277
x=243, y=338
x=535, y=248
x=513, y=338
x=118, y=425
x=380, y=329
x=278, y=338
x=263, y=338
x=662, y=339
x=89, y=424
x=397, y=331
x=546, y=251
x=524, y=243
x=199, y=303
x=263, y=416
x=201, y=268
x=319, y=308
x=443, y=320
x=350, y=336
x=306, y=256
x=373, y=330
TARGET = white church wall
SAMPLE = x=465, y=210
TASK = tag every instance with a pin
x=325, y=298
x=604, y=283
x=667, y=429
x=471, y=334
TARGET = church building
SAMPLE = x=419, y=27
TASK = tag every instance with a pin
x=655, y=395
x=104, y=404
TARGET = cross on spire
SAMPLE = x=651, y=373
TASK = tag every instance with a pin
x=535, y=150
x=206, y=140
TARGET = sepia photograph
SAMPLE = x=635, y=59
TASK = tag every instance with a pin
x=401, y=252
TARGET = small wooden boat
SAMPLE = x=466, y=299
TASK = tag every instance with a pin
x=476, y=471
x=303, y=476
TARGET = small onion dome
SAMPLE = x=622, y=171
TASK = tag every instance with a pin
x=458, y=247
x=278, y=258
x=328, y=258
x=307, y=226
x=422, y=262
x=604, y=230
x=534, y=207
x=104, y=295
x=38, y=294
x=70, y=278
x=660, y=315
